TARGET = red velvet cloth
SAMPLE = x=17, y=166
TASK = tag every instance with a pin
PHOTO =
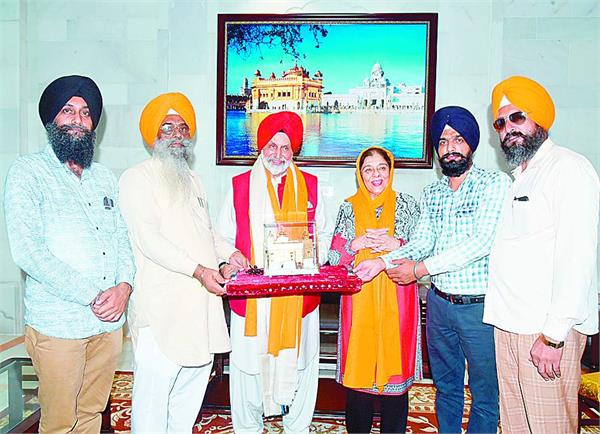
x=329, y=279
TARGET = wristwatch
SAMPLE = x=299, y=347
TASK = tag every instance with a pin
x=555, y=345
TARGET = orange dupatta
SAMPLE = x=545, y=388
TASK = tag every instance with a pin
x=285, y=322
x=374, y=351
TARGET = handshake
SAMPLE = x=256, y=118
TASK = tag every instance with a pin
x=215, y=280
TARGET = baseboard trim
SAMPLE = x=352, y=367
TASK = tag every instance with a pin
x=12, y=343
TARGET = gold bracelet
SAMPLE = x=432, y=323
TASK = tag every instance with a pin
x=201, y=277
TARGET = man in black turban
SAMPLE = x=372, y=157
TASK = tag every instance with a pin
x=70, y=108
x=67, y=234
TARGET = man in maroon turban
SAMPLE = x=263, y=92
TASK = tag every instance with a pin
x=268, y=375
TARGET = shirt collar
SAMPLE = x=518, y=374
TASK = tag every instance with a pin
x=63, y=166
x=537, y=158
x=472, y=174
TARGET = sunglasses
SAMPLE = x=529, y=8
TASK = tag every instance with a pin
x=517, y=118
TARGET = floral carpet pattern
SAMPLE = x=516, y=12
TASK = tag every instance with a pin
x=421, y=418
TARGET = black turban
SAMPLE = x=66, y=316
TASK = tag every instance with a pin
x=460, y=119
x=61, y=90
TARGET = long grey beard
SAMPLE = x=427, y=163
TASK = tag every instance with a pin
x=175, y=169
x=520, y=153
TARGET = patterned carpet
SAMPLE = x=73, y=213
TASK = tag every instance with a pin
x=421, y=417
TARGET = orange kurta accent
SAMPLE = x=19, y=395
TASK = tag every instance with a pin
x=374, y=351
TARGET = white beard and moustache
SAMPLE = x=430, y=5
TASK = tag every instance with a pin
x=274, y=169
x=175, y=169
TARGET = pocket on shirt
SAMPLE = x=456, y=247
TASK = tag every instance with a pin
x=465, y=219
x=108, y=220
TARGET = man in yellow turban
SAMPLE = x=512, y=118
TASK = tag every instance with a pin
x=176, y=314
x=542, y=297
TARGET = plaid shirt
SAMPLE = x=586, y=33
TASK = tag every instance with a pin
x=456, y=231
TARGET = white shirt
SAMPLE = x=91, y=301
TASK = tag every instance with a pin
x=543, y=264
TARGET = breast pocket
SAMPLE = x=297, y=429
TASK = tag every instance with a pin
x=106, y=214
x=201, y=211
x=529, y=217
x=465, y=221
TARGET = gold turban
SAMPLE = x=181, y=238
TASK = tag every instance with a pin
x=527, y=95
x=155, y=111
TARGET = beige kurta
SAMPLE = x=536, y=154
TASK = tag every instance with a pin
x=168, y=240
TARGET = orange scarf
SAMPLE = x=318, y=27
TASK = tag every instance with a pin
x=374, y=352
x=285, y=323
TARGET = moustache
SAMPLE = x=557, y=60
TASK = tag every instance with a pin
x=79, y=128
x=511, y=135
x=453, y=154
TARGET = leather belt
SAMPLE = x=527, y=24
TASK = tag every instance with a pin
x=459, y=299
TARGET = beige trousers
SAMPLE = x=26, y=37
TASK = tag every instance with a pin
x=75, y=378
x=528, y=403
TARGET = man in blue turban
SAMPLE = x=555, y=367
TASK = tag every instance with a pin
x=67, y=235
x=452, y=241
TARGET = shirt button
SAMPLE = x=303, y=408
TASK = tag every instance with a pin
x=104, y=253
x=96, y=227
x=89, y=203
x=104, y=278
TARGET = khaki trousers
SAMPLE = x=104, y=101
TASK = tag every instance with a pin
x=75, y=378
x=528, y=403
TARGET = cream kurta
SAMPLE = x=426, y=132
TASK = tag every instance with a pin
x=169, y=240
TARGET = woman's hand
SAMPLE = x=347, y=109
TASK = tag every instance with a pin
x=380, y=241
x=360, y=243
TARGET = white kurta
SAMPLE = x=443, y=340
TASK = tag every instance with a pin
x=243, y=346
x=543, y=264
x=169, y=240
x=248, y=352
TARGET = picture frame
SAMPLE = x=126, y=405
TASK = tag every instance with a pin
x=356, y=80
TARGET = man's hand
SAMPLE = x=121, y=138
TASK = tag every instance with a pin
x=546, y=359
x=239, y=261
x=228, y=270
x=110, y=304
x=367, y=270
x=210, y=279
x=402, y=274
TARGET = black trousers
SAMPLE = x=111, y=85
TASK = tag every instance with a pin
x=359, y=412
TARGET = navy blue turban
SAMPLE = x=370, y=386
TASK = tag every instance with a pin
x=61, y=90
x=460, y=119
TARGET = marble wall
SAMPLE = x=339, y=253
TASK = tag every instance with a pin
x=136, y=49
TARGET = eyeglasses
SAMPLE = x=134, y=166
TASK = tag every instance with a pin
x=517, y=118
x=169, y=129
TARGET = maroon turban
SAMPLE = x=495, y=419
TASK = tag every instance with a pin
x=287, y=122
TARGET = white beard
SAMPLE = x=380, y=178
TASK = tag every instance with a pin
x=175, y=170
x=276, y=170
